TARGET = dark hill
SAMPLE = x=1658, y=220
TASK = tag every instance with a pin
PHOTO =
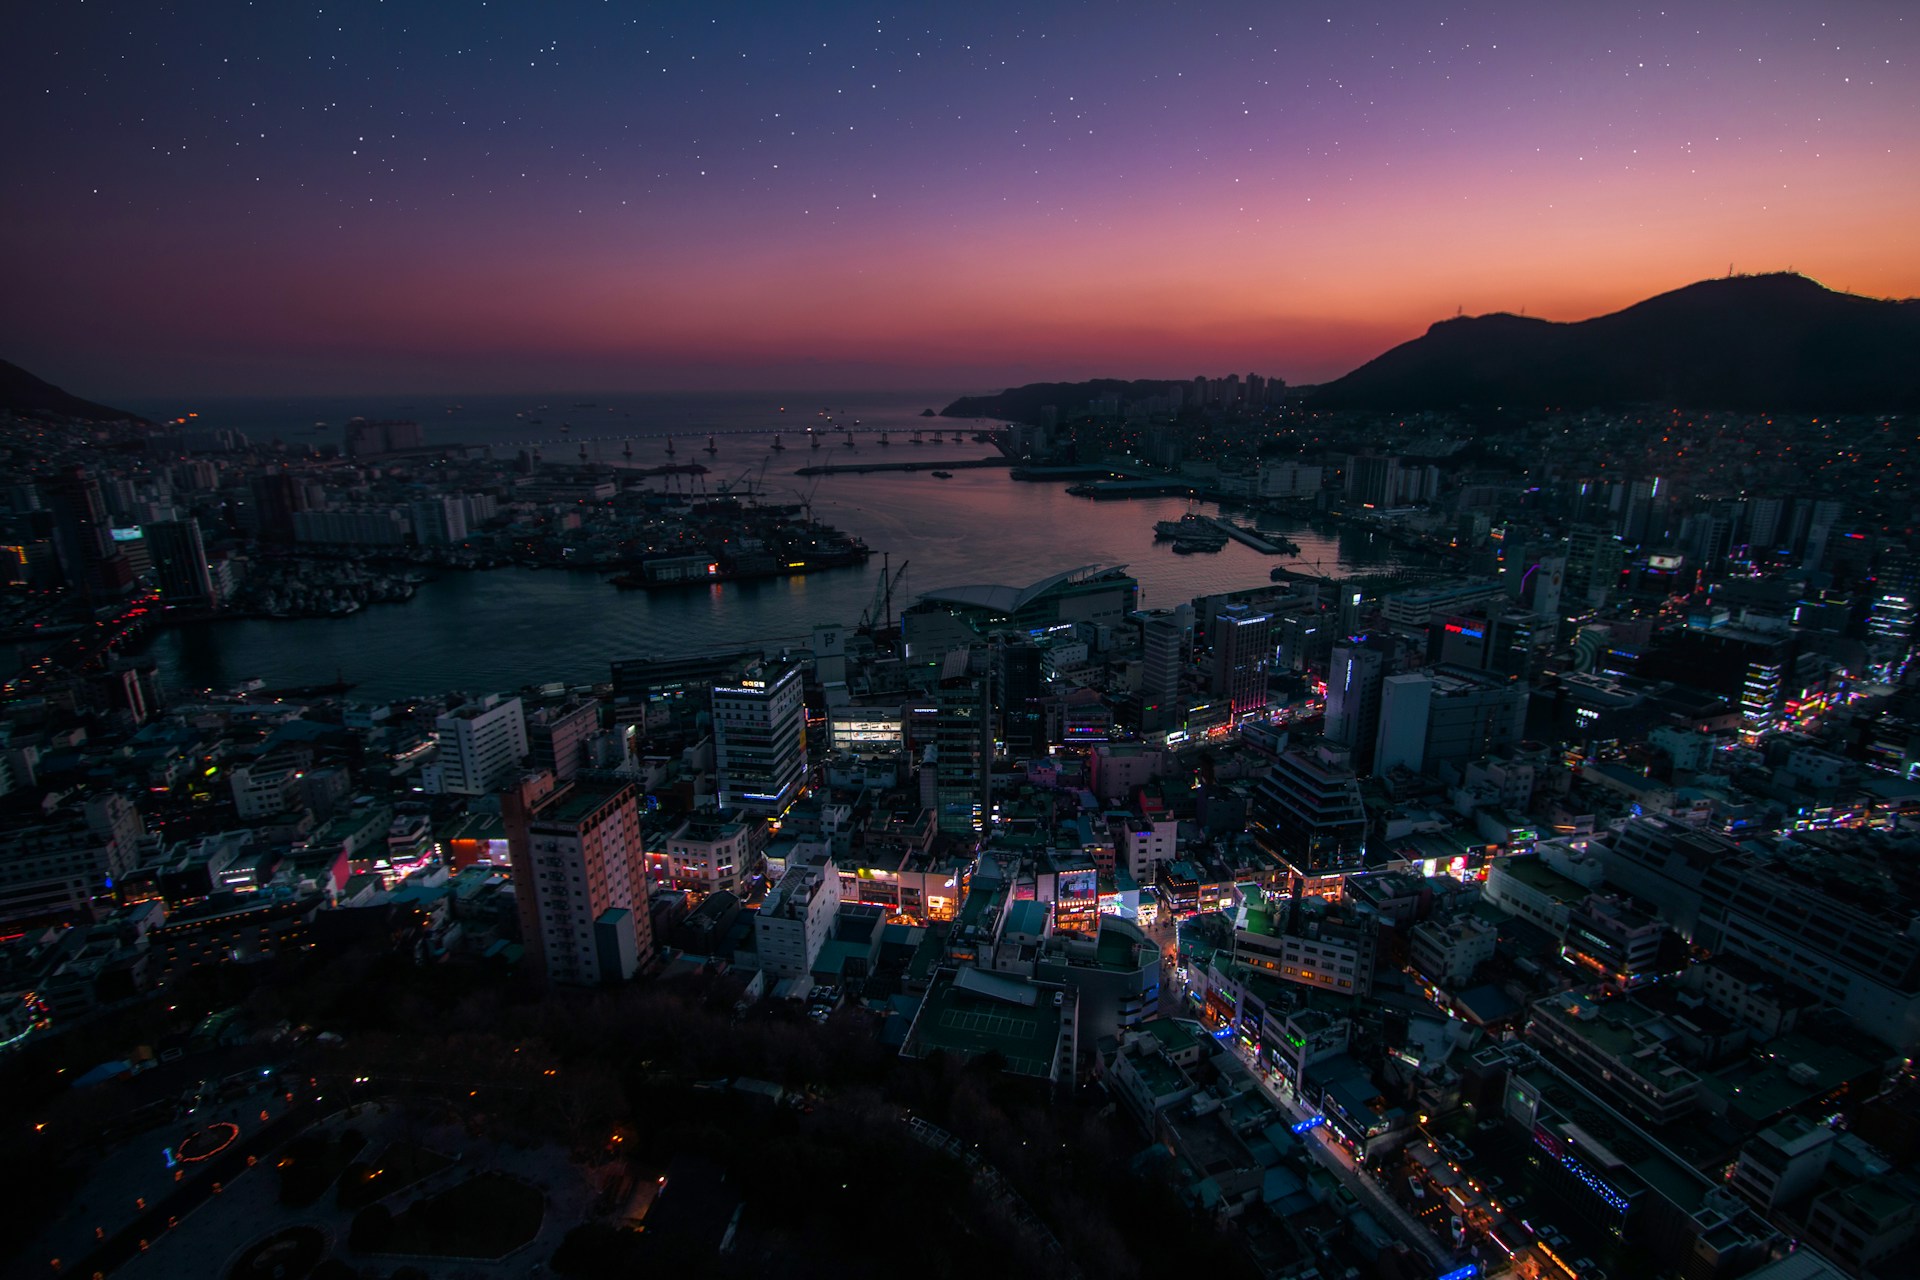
x=1749, y=342
x=23, y=394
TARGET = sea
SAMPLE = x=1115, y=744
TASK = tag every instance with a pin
x=503, y=629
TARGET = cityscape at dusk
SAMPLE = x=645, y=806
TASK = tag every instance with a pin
x=255, y=199
x=1125, y=641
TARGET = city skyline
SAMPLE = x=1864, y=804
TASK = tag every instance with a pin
x=358, y=200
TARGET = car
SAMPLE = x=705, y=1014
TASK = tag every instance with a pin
x=1458, y=1229
x=1413, y=1185
x=1516, y=1202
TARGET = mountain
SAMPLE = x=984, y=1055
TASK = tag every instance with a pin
x=28, y=396
x=1747, y=342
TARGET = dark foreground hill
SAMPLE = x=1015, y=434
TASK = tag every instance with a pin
x=23, y=394
x=1771, y=342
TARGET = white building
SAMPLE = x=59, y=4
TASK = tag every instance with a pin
x=1144, y=845
x=481, y=745
x=263, y=790
x=706, y=854
x=1448, y=951
x=795, y=919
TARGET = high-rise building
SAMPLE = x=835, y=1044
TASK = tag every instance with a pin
x=963, y=743
x=557, y=737
x=440, y=521
x=277, y=498
x=481, y=745
x=760, y=741
x=1353, y=700
x=1307, y=812
x=1164, y=638
x=1242, y=653
x=82, y=535
x=1449, y=714
x=580, y=876
x=1021, y=686
x=180, y=563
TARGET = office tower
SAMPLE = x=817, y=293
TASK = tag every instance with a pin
x=1308, y=813
x=1242, y=652
x=1164, y=645
x=1353, y=700
x=557, y=737
x=277, y=498
x=1450, y=714
x=180, y=563
x=481, y=745
x=94, y=565
x=760, y=741
x=963, y=743
x=1020, y=687
x=440, y=521
x=580, y=877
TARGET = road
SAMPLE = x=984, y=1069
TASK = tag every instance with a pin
x=1329, y=1153
x=1339, y=1163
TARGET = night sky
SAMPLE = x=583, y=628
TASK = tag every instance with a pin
x=209, y=197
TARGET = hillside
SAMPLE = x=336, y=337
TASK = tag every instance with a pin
x=23, y=394
x=1751, y=342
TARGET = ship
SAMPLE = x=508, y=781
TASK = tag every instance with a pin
x=943, y=475
x=1196, y=527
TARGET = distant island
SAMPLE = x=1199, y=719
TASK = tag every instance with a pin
x=1023, y=404
x=31, y=397
x=1766, y=342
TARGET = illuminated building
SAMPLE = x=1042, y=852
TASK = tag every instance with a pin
x=963, y=743
x=1242, y=654
x=1353, y=700
x=760, y=741
x=580, y=878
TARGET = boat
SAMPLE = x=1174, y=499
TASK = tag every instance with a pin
x=1192, y=526
x=566, y=426
x=917, y=439
x=669, y=446
x=776, y=441
x=629, y=449
x=812, y=439
x=883, y=437
x=1188, y=546
x=711, y=446
x=943, y=475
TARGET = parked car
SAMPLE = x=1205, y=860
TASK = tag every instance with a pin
x=1413, y=1185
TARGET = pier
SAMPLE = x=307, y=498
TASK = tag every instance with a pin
x=1242, y=534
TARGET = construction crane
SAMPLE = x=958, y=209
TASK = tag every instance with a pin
x=877, y=617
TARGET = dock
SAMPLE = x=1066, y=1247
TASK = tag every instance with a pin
x=1242, y=534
